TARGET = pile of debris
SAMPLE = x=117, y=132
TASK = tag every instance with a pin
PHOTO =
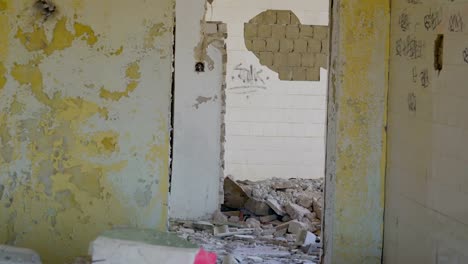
x=272, y=221
x=276, y=201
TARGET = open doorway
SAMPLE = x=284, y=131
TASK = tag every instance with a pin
x=274, y=125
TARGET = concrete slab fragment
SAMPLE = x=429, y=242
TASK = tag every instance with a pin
x=14, y=255
x=136, y=246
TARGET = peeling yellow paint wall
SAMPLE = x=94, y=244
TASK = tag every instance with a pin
x=84, y=121
x=356, y=142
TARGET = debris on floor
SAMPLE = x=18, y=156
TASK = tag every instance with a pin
x=276, y=200
x=273, y=221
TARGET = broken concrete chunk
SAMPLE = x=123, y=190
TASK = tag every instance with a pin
x=295, y=227
x=268, y=218
x=291, y=237
x=234, y=219
x=281, y=239
x=286, y=218
x=253, y=223
x=311, y=216
x=318, y=205
x=276, y=223
x=282, y=226
x=174, y=228
x=312, y=249
x=255, y=259
x=238, y=232
x=188, y=224
x=203, y=225
x=305, y=200
x=280, y=232
x=268, y=232
x=296, y=211
x=275, y=206
x=221, y=229
x=234, y=195
x=186, y=230
x=219, y=217
x=229, y=259
x=14, y=255
x=257, y=207
x=244, y=237
x=279, y=184
x=312, y=226
x=306, y=238
x=140, y=245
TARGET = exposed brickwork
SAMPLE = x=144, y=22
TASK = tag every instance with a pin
x=295, y=51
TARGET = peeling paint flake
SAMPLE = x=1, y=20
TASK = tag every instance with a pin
x=4, y=32
x=86, y=32
x=2, y=75
x=33, y=41
x=203, y=100
x=3, y=5
x=155, y=31
x=117, y=52
x=133, y=75
x=62, y=37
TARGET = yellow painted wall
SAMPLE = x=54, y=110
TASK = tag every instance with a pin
x=356, y=142
x=426, y=213
x=84, y=121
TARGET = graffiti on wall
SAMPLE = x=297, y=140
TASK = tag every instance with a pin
x=247, y=77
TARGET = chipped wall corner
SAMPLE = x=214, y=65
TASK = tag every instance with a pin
x=212, y=33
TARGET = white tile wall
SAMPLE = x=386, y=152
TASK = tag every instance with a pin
x=426, y=218
x=277, y=130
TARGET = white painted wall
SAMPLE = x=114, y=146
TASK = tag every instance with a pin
x=426, y=215
x=277, y=128
x=196, y=163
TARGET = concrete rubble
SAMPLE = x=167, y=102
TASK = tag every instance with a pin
x=272, y=221
x=276, y=200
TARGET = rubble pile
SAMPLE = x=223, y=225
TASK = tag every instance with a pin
x=272, y=221
x=276, y=200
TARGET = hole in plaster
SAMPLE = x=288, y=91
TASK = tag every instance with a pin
x=199, y=67
x=293, y=50
x=46, y=7
x=438, y=52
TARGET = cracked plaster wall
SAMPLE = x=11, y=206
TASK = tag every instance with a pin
x=84, y=121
